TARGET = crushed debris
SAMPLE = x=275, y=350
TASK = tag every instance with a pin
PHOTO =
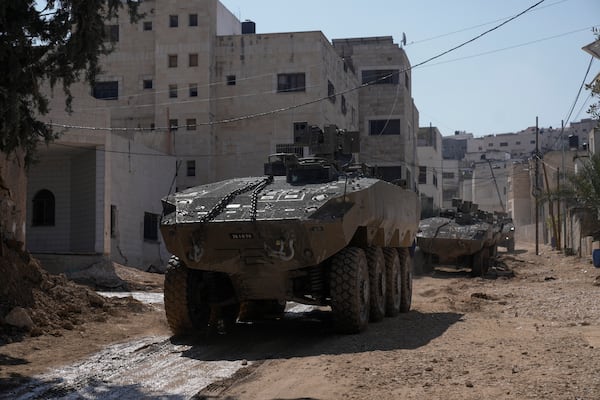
x=34, y=302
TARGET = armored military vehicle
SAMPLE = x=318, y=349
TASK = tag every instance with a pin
x=461, y=236
x=310, y=230
x=507, y=238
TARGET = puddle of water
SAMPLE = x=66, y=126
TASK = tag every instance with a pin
x=144, y=297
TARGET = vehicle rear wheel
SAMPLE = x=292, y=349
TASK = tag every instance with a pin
x=422, y=263
x=186, y=305
x=406, y=267
x=349, y=287
x=480, y=262
x=393, y=282
x=377, y=282
x=510, y=247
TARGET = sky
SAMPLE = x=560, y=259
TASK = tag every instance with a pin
x=530, y=67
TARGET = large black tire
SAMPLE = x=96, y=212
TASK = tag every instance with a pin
x=406, y=267
x=377, y=282
x=186, y=307
x=480, y=262
x=510, y=247
x=349, y=287
x=393, y=282
x=422, y=262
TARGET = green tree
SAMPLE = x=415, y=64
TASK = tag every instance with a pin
x=59, y=42
x=586, y=183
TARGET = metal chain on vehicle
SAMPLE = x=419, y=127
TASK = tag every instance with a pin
x=254, y=198
x=221, y=204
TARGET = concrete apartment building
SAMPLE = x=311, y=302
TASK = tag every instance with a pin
x=388, y=117
x=431, y=167
x=210, y=98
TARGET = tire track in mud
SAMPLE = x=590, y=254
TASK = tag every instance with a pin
x=152, y=367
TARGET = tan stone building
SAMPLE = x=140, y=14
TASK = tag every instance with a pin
x=388, y=117
x=431, y=168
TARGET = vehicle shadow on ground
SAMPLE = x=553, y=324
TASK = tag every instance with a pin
x=312, y=334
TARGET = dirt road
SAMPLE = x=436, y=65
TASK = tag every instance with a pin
x=532, y=336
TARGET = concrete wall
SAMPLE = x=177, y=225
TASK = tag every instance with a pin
x=83, y=202
x=53, y=174
x=140, y=178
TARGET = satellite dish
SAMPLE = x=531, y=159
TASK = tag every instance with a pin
x=403, y=39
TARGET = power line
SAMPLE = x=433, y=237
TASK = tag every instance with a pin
x=480, y=35
x=477, y=26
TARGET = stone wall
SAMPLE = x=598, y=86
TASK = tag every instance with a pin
x=13, y=189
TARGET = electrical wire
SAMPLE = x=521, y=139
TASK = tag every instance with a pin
x=477, y=26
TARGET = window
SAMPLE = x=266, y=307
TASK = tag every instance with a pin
x=503, y=144
x=406, y=80
x=230, y=80
x=147, y=25
x=291, y=82
x=448, y=175
x=422, y=175
x=191, y=167
x=108, y=90
x=384, y=127
x=147, y=84
x=173, y=124
x=190, y=125
x=193, y=60
x=173, y=21
x=152, y=126
x=490, y=144
x=343, y=105
x=331, y=91
x=532, y=142
x=43, y=208
x=172, y=60
x=380, y=76
x=111, y=33
x=193, y=90
x=517, y=142
x=150, y=226
x=113, y=221
x=434, y=180
x=172, y=91
x=193, y=20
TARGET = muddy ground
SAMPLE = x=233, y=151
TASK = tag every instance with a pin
x=534, y=335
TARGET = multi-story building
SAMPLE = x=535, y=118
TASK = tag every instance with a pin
x=429, y=153
x=193, y=83
x=388, y=118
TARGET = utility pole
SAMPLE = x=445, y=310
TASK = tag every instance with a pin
x=559, y=239
x=537, y=188
x=564, y=203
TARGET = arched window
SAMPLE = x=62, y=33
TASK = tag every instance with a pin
x=43, y=208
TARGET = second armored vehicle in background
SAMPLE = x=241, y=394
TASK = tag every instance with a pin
x=461, y=236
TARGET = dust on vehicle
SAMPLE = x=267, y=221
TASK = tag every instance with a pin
x=313, y=230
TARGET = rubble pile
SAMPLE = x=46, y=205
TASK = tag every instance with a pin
x=34, y=302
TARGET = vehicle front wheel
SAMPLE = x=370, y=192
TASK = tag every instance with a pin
x=186, y=306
